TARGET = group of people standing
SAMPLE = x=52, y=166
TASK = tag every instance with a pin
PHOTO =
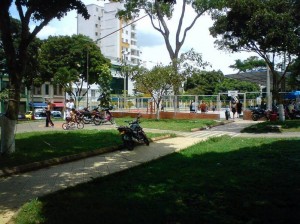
x=69, y=110
x=194, y=107
x=236, y=108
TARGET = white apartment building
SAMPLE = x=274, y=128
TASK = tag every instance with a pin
x=116, y=38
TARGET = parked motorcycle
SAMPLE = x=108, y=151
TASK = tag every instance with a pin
x=259, y=113
x=294, y=114
x=105, y=116
x=133, y=134
x=89, y=116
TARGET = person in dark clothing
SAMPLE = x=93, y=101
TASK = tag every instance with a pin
x=233, y=108
x=239, y=106
x=48, y=115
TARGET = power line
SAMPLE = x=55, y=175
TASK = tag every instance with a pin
x=120, y=28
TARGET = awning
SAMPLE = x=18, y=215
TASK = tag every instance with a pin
x=58, y=104
x=293, y=95
x=37, y=105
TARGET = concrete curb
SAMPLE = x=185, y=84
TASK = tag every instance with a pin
x=65, y=159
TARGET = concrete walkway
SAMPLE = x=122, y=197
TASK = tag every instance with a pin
x=15, y=190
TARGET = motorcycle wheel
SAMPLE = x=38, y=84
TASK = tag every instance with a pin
x=128, y=144
x=65, y=126
x=80, y=125
x=254, y=117
x=146, y=140
x=86, y=120
x=97, y=121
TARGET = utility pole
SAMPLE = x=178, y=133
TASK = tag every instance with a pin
x=87, y=78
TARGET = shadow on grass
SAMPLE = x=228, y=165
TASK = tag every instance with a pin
x=204, y=184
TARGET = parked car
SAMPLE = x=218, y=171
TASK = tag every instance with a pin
x=56, y=114
x=28, y=115
x=21, y=116
x=39, y=115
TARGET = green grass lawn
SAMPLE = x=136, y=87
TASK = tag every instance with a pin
x=170, y=124
x=222, y=180
x=287, y=126
x=39, y=146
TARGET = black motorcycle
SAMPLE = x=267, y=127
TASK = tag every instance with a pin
x=133, y=134
x=260, y=113
x=89, y=116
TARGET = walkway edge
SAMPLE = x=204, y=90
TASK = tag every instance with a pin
x=65, y=159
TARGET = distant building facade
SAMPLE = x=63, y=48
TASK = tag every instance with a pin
x=116, y=38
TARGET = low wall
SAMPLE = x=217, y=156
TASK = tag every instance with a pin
x=171, y=115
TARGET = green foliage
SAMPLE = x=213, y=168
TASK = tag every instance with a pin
x=156, y=81
x=34, y=15
x=250, y=64
x=293, y=81
x=71, y=60
x=203, y=83
x=268, y=28
x=105, y=81
x=222, y=180
x=233, y=84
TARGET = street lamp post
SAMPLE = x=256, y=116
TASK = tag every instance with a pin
x=124, y=53
x=87, y=79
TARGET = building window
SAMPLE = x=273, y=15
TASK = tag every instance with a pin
x=96, y=33
x=37, y=90
x=93, y=93
x=126, y=31
x=57, y=90
x=97, y=9
x=99, y=18
x=96, y=25
x=47, y=89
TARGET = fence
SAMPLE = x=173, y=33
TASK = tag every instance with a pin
x=179, y=103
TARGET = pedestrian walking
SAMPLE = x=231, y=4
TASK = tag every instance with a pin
x=233, y=108
x=48, y=115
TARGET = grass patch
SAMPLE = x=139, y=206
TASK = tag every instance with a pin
x=170, y=124
x=286, y=126
x=222, y=180
x=39, y=146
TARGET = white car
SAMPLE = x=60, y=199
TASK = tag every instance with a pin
x=56, y=114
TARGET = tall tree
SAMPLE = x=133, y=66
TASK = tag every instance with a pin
x=155, y=82
x=269, y=28
x=71, y=59
x=160, y=12
x=40, y=14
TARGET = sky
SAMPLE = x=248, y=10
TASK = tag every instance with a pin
x=152, y=44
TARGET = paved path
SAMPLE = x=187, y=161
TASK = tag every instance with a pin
x=18, y=189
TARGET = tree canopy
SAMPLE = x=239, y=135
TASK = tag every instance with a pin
x=160, y=12
x=71, y=59
x=268, y=28
x=252, y=63
x=155, y=82
x=36, y=14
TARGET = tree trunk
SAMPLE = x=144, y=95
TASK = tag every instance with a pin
x=7, y=135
